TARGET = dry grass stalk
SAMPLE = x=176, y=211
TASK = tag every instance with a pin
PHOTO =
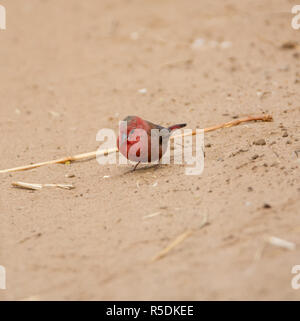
x=179, y=239
x=64, y=160
x=204, y=222
x=151, y=215
x=94, y=154
x=276, y=241
x=31, y=186
x=177, y=62
x=236, y=122
x=24, y=185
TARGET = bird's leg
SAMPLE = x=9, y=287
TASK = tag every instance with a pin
x=135, y=166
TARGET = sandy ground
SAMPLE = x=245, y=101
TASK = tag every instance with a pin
x=70, y=68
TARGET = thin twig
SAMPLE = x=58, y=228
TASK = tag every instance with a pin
x=276, y=241
x=179, y=239
x=236, y=122
x=24, y=185
x=152, y=215
x=94, y=154
x=64, y=160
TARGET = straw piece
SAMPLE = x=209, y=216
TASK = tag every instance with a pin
x=179, y=239
x=152, y=215
x=204, y=222
x=65, y=160
x=236, y=122
x=27, y=185
x=276, y=241
x=85, y=156
x=31, y=186
x=63, y=186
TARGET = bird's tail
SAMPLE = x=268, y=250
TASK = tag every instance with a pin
x=177, y=126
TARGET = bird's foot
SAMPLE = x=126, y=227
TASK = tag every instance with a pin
x=135, y=166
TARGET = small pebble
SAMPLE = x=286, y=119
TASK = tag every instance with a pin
x=70, y=175
x=143, y=91
x=259, y=142
x=289, y=45
x=296, y=55
x=266, y=205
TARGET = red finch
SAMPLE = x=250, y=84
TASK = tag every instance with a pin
x=142, y=141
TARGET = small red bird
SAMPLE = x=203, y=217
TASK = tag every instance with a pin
x=135, y=141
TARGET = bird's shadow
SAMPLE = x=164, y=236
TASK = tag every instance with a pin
x=143, y=169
